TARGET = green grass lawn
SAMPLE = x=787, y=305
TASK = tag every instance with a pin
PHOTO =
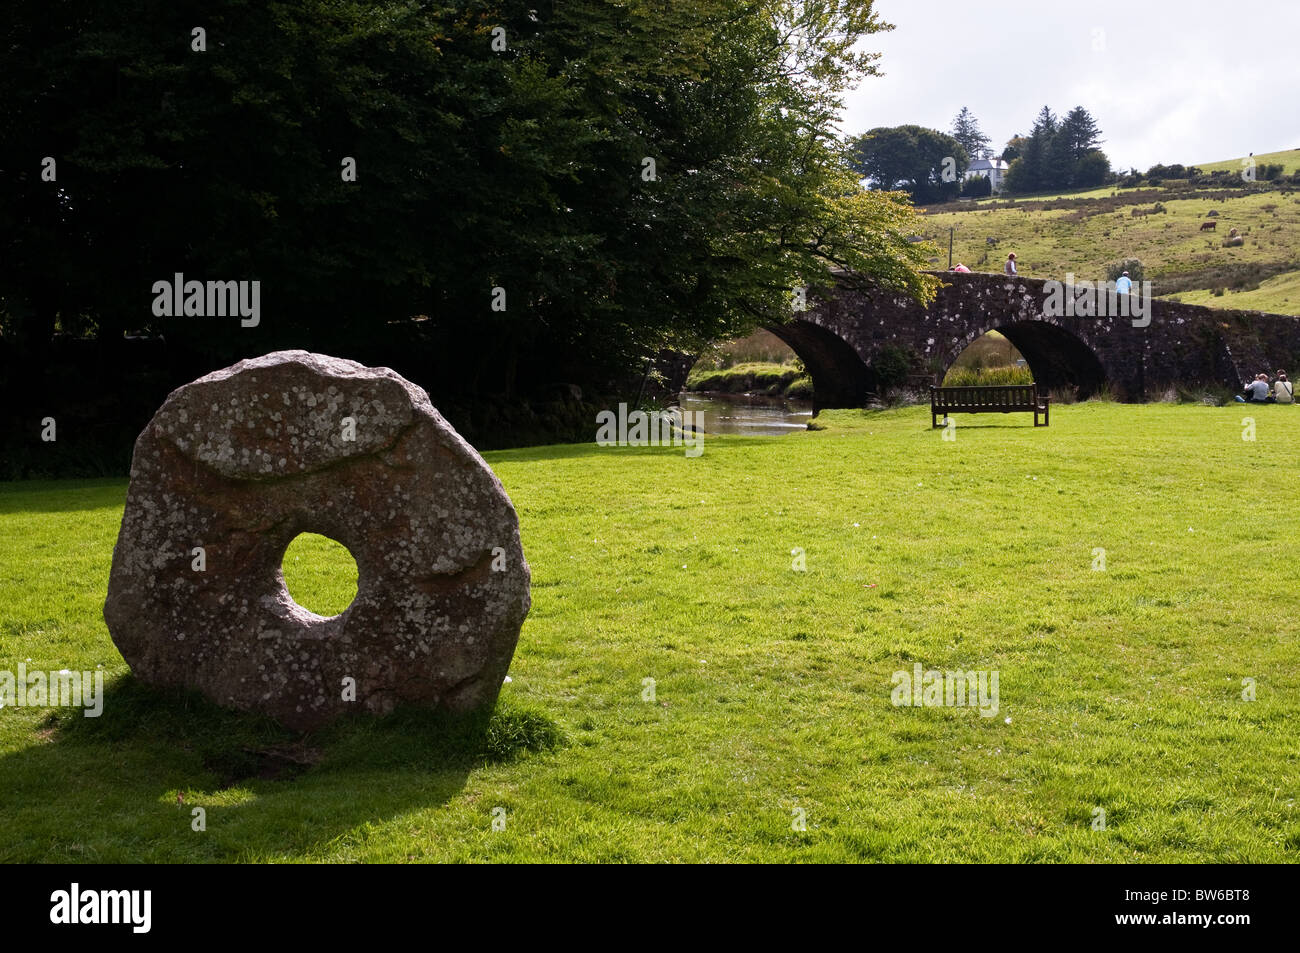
x=1118, y=689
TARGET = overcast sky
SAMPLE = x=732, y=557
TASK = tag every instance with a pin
x=1168, y=81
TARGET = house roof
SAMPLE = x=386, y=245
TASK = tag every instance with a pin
x=984, y=165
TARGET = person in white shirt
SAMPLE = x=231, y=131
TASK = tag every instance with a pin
x=1124, y=284
x=1283, y=389
x=1010, y=266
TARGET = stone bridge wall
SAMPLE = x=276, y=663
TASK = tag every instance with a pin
x=849, y=336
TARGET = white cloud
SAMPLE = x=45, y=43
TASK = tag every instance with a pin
x=1173, y=81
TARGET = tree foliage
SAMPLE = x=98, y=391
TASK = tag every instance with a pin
x=966, y=130
x=977, y=187
x=1057, y=154
x=925, y=163
x=526, y=168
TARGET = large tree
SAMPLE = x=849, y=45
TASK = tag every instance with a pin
x=1058, y=154
x=925, y=163
x=966, y=130
x=1031, y=172
x=1080, y=133
x=636, y=175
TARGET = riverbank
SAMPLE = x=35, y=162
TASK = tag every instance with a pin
x=777, y=380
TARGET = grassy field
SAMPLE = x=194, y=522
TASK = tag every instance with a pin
x=1120, y=688
x=1289, y=159
x=1082, y=232
x=1280, y=294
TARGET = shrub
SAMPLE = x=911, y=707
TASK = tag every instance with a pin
x=1157, y=172
x=1105, y=393
x=977, y=187
x=1205, y=396
x=1093, y=168
x=899, y=397
x=892, y=366
x=1133, y=266
x=800, y=388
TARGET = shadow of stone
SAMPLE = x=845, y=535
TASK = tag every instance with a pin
x=121, y=787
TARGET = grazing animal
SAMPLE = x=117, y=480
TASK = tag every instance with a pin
x=1209, y=226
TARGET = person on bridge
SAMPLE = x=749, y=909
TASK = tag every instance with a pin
x=1010, y=267
x=1124, y=284
x=962, y=268
x=1283, y=389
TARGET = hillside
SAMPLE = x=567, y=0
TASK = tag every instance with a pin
x=1082, y=232
x=1289, y=159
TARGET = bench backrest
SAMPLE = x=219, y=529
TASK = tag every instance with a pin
x=992, y=396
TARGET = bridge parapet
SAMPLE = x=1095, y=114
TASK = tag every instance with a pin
x=854, y=342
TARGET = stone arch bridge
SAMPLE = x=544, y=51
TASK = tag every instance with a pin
x=850, y=338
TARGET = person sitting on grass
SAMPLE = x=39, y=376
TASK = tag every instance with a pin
x=1283, y=389
x=1257, y=391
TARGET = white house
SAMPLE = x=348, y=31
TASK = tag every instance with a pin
x=995, y=170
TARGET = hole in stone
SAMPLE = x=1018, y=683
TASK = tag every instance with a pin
x=320, y=574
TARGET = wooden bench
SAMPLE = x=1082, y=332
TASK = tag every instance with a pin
x=992, y=398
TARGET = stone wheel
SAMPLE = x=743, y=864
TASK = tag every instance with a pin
x=238, y=463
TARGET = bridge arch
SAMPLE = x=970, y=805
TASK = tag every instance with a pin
x=840, y=377
x=1057, y=357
